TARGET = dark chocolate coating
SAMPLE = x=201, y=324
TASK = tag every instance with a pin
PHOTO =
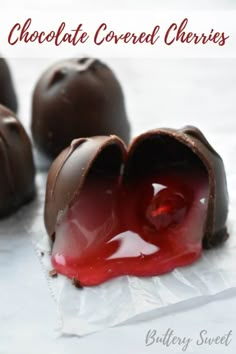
x=68, y=172
x=16, y=164
x=7, y=92
x=77, y=98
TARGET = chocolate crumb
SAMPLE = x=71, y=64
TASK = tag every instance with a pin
x=53, y=273
x=77, y=283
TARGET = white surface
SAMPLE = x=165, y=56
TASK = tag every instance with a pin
x=158, y=93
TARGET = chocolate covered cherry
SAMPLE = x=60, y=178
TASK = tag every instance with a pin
x=16, y=164
x=142, y=211
x=76, y=98
x=7, y=91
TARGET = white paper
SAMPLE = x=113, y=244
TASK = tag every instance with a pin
x=128, y=298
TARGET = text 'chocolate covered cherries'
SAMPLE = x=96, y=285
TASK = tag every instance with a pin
x=16, y=164
x=143, y=211
x=7, y=92
x=76, y=98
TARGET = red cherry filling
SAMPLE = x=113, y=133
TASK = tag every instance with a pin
x=146, y=227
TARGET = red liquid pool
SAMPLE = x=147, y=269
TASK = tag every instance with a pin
x=147, y=227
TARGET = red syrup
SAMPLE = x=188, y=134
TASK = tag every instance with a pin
x=147, y=227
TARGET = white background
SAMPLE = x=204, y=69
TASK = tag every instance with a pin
x=159, y=92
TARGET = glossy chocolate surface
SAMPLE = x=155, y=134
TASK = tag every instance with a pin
x=7, y=91
x=77, y=98
x=17, y=167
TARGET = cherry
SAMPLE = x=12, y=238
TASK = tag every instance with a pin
x=167, y=208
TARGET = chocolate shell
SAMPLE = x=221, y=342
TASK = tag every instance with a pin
x=76, y=98
x=17, y=167
x=154, y=149
x=7, y=92
x=70, y=169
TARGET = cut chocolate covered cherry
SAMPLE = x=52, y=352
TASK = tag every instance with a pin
x=16, y=164
x=143, y=211
x=76, y=98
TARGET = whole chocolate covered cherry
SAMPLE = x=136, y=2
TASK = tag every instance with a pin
x=17, y=185
x=77, y=98
x=7, y=92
